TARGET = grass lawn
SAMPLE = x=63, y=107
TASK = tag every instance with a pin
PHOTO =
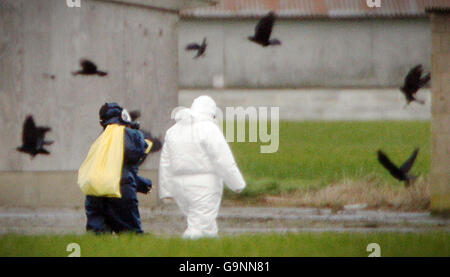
x=314, y=155
x=255, y=245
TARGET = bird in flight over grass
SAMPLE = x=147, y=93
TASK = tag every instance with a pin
x=33, y=138
x=400, y=173
x=89, y=68
x=413, y=82
x=201, y=48
x=263, y=30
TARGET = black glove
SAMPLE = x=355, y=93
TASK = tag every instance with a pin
x=143, y=185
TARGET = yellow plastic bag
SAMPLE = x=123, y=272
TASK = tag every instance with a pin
x=101, y=171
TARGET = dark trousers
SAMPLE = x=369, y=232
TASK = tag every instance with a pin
x=107, y=214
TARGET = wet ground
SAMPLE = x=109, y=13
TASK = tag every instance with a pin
x=167, y=220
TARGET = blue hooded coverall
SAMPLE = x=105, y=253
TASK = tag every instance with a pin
x=108, y=214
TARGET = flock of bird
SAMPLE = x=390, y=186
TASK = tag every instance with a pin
x=263, y=31
x=411, y=85
x=33, y=137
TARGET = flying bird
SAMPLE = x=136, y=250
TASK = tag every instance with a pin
x=413, y=82
x=132, y=120
x=157, y=145
x=33, y=138
x=400, y=173
x=89, y=68
x=135, y=114
x=263, y=30
x=201, y=48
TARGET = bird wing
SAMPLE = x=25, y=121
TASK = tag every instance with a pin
x=202, y=48
x=147, y=134
x=156, y=142
x=157, y=145
x=200, y=52
x=40, y=136
x=406, y=166
x=88, y=66
x=43, y=151
x=392, y=168
x=275, y=41
x=134, y=114
x=425, y=79
x=29, y=132
x=413, y=76
x=264, y=27
x=192, y=46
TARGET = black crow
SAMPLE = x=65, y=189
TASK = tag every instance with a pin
x=33, y=138
x=135, y=114
x=156, y=142
x=402, y=172
x=413, y=82
x=263, y=31
x=131, y=118
x=201, y=48
x=89, y=68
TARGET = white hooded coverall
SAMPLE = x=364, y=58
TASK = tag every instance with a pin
x=195, y=160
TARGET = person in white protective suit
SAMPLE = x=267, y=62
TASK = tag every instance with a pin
x=195, y=161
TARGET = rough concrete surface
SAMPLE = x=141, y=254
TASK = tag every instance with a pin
x=167, y=220
x=320, y=104
x=375, y=52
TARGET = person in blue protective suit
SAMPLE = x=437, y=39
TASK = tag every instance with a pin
x=108, y=214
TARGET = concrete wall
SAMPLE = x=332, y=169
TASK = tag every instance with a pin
x=315, y=53
x=440, y=123
x=54, y=189
x=137, y=46
x=321, y=104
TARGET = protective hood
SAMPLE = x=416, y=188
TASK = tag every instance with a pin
x=112, y=113
x=203, y=108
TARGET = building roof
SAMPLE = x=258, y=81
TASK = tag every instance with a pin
x=315, y=8
x=167, y=5
x=438, y=9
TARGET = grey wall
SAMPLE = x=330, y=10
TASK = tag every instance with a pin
x=315, y=53
x=39, y=38
x=321, y=104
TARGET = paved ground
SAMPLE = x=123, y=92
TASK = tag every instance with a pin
x=166, y=220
